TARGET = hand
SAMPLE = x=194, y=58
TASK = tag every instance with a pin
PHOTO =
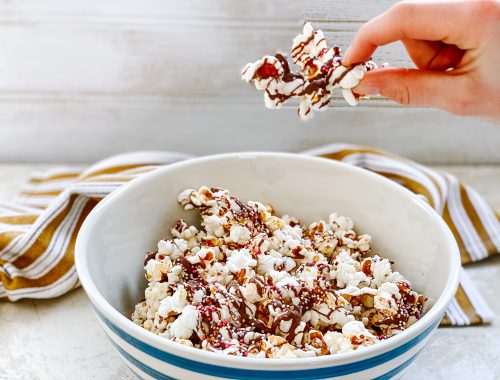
x=455, y=46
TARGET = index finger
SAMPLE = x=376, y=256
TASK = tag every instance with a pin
x=420, y=20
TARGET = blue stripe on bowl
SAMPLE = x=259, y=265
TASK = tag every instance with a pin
x=248, y=374
x=144, y=368
x=389, y=375
x=160, y=376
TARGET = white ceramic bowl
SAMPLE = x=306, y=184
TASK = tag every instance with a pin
x=115, y=237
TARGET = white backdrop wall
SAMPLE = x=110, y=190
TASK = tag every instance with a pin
x=83, y=79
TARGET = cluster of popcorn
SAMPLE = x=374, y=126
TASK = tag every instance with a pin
x=321, y=71
x=250, y=283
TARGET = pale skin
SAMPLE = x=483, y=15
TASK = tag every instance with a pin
x=455, y=46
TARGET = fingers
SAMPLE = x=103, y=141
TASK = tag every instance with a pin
x=419, y=88
x=448, y=56
x=433, y=55
x=430, y=21
x=421, y=52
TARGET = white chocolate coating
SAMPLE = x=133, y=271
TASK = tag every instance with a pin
x=250, y=283
x=321, y=72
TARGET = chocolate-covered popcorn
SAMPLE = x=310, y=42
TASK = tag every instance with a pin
x=250, y=283
x=320, y=72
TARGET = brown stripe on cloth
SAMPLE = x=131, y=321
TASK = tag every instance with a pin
x=63, y=265
x=53, y=178
x=341, y=154
x=38, y=247
x=467, y=307
x=111, y=170
x=111, y=179
x=19, y=219
x=35, y=193
x=7, y=236
x=476, y=221
x=446, y=321
x=464, y=255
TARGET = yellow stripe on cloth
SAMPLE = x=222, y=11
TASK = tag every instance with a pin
x=36, y=248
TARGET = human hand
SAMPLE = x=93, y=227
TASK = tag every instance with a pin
x=455, y=46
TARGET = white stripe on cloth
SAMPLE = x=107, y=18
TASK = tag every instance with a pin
x=57, y=246
x=476, y=299
x=46, y=186
x=14, y=249
x=456, y=314
x=5, y=227
x=57, y=288
x=330, y=149
x=55, y=205
x=441, y=183
x=487, y=216
x=43, y=175
x=472, y=241
x=136, y=158
x=61, y=185
x=38, y=201
x=15, y=209
x=138, y=170
x=19, y=247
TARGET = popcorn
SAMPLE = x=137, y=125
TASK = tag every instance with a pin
x=218, y=273
x=385, y=300
x=337, y=342
x=214, y=225
x=272, y=74
x=346, y=270
x=174, y=303
x=250, y=283
x=315, y=342
x=356, y=332
x=173, y=249
x=155, y=269
x=263, y=71
x=240, y=260
x=321, y=71
x=239, y=234
x=183, y=326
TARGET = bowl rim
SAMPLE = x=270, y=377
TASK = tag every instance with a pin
x=97, y=299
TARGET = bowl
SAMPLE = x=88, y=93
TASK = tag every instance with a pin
x=116, y=235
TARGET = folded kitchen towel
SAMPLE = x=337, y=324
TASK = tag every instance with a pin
x=38, y=229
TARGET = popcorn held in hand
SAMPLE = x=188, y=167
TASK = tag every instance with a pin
x=321, y=71
x=250, y=283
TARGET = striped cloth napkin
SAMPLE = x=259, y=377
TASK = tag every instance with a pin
x=39, y=228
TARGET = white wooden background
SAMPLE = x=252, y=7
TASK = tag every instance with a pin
x=83, y=79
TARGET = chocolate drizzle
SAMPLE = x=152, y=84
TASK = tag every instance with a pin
x=314, y=83
x=256, y=306
x=298, y=51
x=315, y=86
x=320, y=84
x=282, y=98
x=149, y=256
x=288, y=75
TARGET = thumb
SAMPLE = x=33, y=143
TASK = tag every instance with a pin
x=415, y=87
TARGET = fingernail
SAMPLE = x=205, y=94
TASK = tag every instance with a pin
x=367, y=89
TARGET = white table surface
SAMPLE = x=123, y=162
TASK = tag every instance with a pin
x=61, y=339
